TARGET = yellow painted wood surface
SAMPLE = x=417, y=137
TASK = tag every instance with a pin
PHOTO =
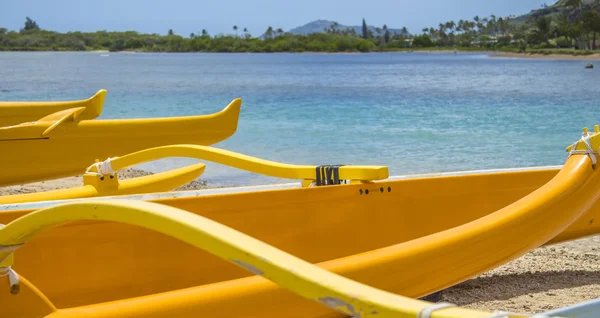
x=302, y=278
x=94, y=186
x=401, y=237
x=245, y=162
x=69, y=148
x=14, y=113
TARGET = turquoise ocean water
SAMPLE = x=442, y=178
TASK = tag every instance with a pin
x=414, y=112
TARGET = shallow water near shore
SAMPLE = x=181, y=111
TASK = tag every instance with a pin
x=416, y=112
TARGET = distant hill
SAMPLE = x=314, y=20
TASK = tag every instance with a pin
x=562, y=2
x=551, y=10
x=319, y=26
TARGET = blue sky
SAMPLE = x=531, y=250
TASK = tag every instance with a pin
x=219, y=16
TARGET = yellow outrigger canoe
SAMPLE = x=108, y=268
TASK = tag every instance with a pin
x=60, y=144
x=370, y=238
x=14, y=113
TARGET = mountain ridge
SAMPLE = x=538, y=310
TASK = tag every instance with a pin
x=319, y=26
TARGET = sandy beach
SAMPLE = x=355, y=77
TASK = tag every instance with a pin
x=591, y=57
x=544, y=279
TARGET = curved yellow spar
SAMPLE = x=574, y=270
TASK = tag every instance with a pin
x=300, y=277
x=95, y=185
x=13, y=113
x=59, y=145
x=248, y=163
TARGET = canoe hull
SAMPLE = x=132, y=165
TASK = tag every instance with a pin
x=72, y=147
x=315, y=224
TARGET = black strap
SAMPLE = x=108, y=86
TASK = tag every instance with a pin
x=318, y=179
x=336, y=174
x=328, y=175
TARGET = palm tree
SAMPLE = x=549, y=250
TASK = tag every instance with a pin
x=204, y=33
x=450, y=26
x=334, y=26
x=192, y=35
x=280, y=32
x=269, y=32
x=484, y=25
x=442, y=30
x=501, y=26
x=386, y=34
x=543, y=28
x=246, y=33
x=235, y=28
x=575, y=5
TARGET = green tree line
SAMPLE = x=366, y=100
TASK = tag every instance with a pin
x=570, y=24
x=34, y=38
x=567, y=24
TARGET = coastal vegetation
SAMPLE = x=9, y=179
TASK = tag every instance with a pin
x=570, y=25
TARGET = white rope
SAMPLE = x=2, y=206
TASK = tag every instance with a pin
x=427, y=311
x=103, y=168
x=13, y=279
x=10, y=248
x=589, y=151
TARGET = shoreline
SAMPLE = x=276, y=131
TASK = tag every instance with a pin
x=553, y=56
x=490, y=53
x=445, y=51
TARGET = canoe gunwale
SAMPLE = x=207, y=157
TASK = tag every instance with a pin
x=255, y=188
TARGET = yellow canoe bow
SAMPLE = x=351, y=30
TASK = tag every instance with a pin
x=14, y=113
x=59, y=145
x=408, y=236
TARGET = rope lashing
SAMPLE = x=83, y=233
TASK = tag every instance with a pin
x=13, y=278
x=427, y=311
x=589, y=151
x=103, y=168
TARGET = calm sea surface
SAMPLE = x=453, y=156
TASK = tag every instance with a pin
x=415, y=113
